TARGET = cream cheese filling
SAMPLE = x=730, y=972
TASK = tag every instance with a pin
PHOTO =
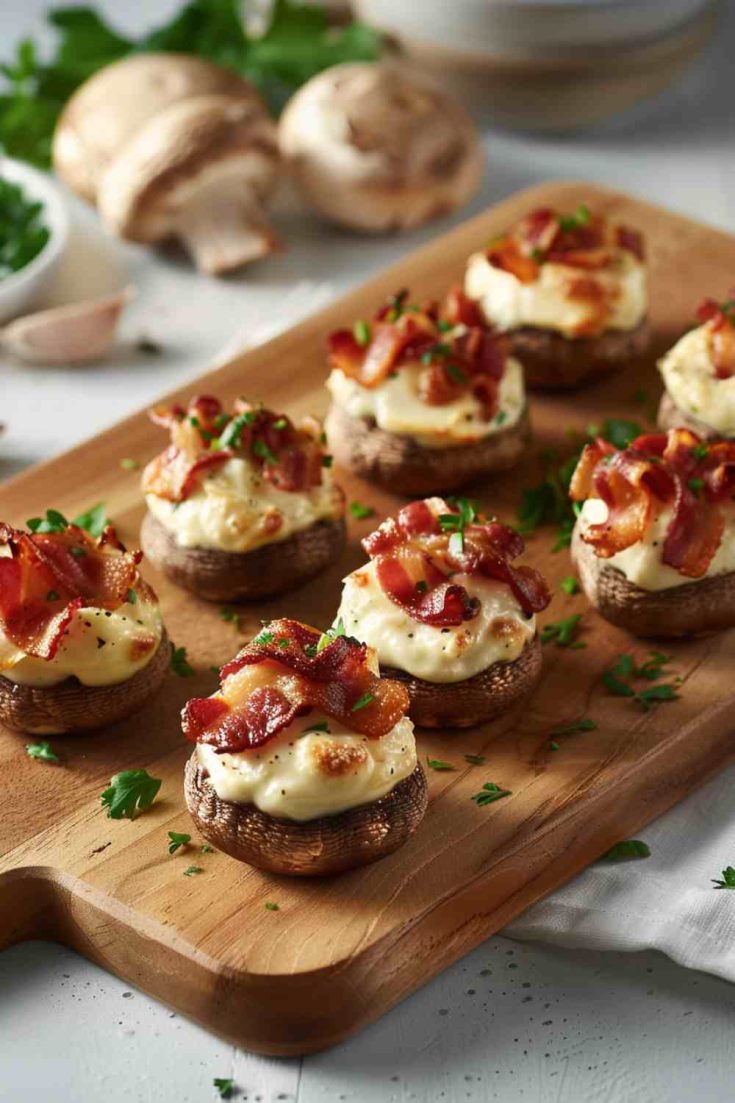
x=100, y=648
x=641, y=562
x=688, y=372
x=301, y=774
x=498, y=633
x=396, y=407
x=508, y=303
x=235, y=509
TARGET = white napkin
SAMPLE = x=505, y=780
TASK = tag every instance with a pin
x=666, y=902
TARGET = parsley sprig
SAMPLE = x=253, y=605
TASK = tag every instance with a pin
x=177, y=839
x=564, y=633
x=728, y=879
x=618, y=678
x=42, y=751
x=130, y=792
x=489, y=793
x=625, y=850
x=94, y=520
x=180, y=665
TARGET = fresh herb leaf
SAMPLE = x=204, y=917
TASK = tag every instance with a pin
x=489, y=793
x=361, y=512
x=177, y=839
x=224, y=1086
x=617, y=687
x=232, y=617
x=93, y=520
x=728, y=879
x=179, y=662
x=437, y=764
x=232, y=434
x=130, y=792
x=553, y=745
x=628, y=848
x=132, y=597
x=191, y=871
x=327, y=461
x=563, y=633
x=569, y=585
x=42, y=751
x=260, y=448
x=319, y=726
x=575, y=726
x=455, y=373
x=576, y=221
x=362, y=702
x=271, y=906
x=263, y=637
x=331, y=634
x=52, y=522
x=206, y=849
x=475, y=759
x=23, y=230
x=362, y=334
x=654, y=695
x=653, y=667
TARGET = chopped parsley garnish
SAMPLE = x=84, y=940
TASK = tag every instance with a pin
x=475, y=759
x=362, y=333
x=94, y=520
x=563, y=633
x=224, y=1085
x=553, y=745
x=232, y=617
x=331, y=634
x=576, y=221
x=280, y=423
x=327, y=460
x=53, y=595
x=455, y=373
x=132, y=597
x=52, y=522
x=695, y=485
x=42, y=751
x=361, y=512
x=362, y=702
x=177, y=839
x=569, y=585
x=23, y=232
x=489, y=793
x=263, y=637
x=625, y=850
x=262, y=450
x=617, y=680
x=206, y=849
x=191, y=871
x=271, y=906
x=230, y=437
x=584, y=725
x=128, y=464
x=457, y=522
x=728, y=879
x=701, y=450
x=130, y=792
x=436, y=352
x=437, y=764
x=319, y=726
x=179, y=662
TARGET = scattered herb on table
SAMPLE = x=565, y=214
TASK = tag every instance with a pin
x=130, y=792
x=177, y=839
x=129, y=464
x=569, y=585
x=625, y=850
x=437, y=764
x=728, y=879
x=224, y=1086
x=489, y=793
x=179, y=662
x=232, y=617
x=475, y=759
x=42, y=751
x=206, y=849
x=619, y=678
x=191, y=871
x=23, y=233
x=361, y=512
x=564, y=633
x=271, y=906
x=574, y=727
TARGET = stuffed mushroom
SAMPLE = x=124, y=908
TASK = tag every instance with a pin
x=699, y=375
x=425, y=398
x=569, y=290
x=447, y=612
x=305, y=761
x=654, y=543
x=82, y=643
x=241, y=505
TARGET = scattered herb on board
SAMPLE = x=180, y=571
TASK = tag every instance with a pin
x=489, y=793
x=130, y=792
x=728, y=879
x=129, y=464
x=564, y=633
x=271, y=906
x=361, y=512
x=232, y=617
x=191, y=871
x=93, y=520
x=224, y=1086
x=624, y=671
x=23, y=232
x=437, y=764
x=319, y=726
x=177, y=839
x=42, y=751
x=179, y=662
x=569, y=585
x=278, y=47
x=206, y=849
x=331, y=634
x=625, y=850
x=475, y=759
x=573, y=728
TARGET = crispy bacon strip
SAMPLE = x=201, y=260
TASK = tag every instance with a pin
x=204, y=437
x=335, y=680
x=721, y=319
x=49, y=576
x=676, y=470
x=416, y=558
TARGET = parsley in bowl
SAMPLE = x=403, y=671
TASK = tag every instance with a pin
x=23, y=231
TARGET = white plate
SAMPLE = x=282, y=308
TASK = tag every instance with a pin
x=20, y=292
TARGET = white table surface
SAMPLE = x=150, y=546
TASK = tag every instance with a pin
x=511, y=1021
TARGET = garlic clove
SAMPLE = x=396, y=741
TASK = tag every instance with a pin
x=71, y=334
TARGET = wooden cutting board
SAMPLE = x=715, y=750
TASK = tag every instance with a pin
x=338, y=953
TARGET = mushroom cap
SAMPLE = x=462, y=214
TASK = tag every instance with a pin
x=375, y=146
x=108, y=109
x=198, y=140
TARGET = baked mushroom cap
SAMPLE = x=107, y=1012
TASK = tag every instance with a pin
x=706, y=605
x=330, y=844
x=110, y=107
x=406, y=467
x=475, y=700
x=375, y=146
x=671, y=416
x=70, y=706
x=243, y=576
x=553, y=362
x=199, y=171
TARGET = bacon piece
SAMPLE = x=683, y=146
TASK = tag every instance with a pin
x=415, y=560
x=632, y=240
x=459, y=309
x=335, y=680
x=48, y=577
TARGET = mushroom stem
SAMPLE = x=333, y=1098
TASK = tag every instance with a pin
x=223, y=225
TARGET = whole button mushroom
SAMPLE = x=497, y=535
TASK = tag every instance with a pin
x=201, y=171
x=375, y=147
x=116, y=102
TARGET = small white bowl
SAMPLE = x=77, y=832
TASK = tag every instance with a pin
x=23, y=290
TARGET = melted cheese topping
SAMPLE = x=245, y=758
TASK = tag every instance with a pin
x=641, y=562
x=100, y=648
x=548, y=302
x=301, y=775
x=688, y=372
x=235, y=509
x=498, y=633
x=395, y=406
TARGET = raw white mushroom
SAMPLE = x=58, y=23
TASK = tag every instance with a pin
x=376, y=147
x=72, y=334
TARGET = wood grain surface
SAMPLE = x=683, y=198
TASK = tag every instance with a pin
x=337, y=953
